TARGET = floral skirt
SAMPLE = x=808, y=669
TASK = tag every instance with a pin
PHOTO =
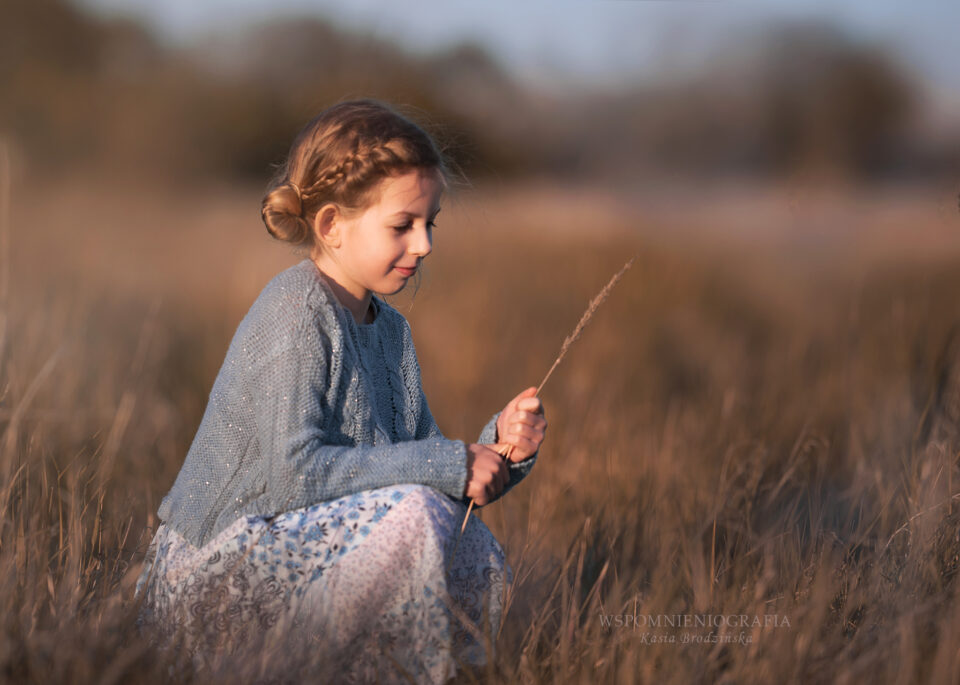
x=372, y=585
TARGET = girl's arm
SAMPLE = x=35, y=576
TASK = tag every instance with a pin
x=427, y=428
x=303, y=462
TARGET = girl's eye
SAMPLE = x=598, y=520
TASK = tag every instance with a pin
x=403, y=228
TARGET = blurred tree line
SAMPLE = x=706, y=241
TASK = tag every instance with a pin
x=77, y=90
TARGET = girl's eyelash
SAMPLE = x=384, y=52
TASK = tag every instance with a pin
x=406, y=226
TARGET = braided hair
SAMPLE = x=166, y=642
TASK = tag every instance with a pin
x=340, y=157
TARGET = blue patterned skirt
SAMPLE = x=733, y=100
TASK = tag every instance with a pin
x=369, y=582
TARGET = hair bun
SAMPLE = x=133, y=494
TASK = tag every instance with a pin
x=282, y=213
x=298, y=197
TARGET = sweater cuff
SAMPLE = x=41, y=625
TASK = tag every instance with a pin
x=488, y=435
x=446, y=465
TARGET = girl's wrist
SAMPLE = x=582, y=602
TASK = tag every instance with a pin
x=501, y=427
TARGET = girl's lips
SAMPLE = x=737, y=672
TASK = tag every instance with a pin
x=406, y=272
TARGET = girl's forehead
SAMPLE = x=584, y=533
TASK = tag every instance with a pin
x=411, y=188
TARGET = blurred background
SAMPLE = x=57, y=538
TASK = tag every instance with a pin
x=602, y=92
x=808, y=124
x=764, y=402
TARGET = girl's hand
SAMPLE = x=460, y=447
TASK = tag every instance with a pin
x=522, y=424
x=487, y=473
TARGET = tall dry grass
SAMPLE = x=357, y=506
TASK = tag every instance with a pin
x=741, y=432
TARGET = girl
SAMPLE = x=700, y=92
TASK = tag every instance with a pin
x=319, y=500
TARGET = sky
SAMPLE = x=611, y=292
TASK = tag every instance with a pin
x=604, y=42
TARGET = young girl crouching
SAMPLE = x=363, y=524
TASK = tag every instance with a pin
x=319, y=502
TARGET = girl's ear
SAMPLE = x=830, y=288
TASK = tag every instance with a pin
x=327, y=225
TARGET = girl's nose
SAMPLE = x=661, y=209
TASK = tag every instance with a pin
x=422, y=244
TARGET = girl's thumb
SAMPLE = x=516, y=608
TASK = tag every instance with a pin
x=529, y=392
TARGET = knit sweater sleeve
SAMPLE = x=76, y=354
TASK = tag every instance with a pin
x=307, y=461
x=427, y=428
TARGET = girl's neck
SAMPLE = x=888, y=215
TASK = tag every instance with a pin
x=358, y=304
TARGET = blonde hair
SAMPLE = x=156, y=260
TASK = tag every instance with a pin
x=339, y=157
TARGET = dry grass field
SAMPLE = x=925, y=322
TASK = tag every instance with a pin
x=743, y=430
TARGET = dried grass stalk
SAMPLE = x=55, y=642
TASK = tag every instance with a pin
x=568, y=341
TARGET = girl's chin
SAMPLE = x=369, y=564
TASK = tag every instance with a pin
x=393, y=288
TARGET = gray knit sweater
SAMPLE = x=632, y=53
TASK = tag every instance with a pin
x=309, y=406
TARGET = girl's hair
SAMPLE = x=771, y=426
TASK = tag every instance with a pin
x=339, y=157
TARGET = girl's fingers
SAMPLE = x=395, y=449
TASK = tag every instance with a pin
x=529, y=446
x=531, y=404
x=528, y=398
x=524, y=451
x=525, y=445
x=533, y=432
x=525, y=418
x=525, y=408
x=526, y=431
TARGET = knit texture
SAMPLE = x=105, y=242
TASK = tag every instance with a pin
x=310, y=406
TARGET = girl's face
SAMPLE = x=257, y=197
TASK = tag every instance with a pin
x=382, y=246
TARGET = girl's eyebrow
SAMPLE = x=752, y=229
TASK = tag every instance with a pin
x=413, y=215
